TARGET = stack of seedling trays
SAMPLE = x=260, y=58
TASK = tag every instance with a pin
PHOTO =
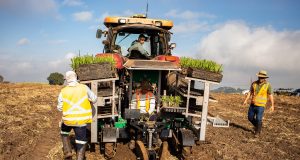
x=174, y=109
x=172, y=103
x=201, y=69
x=89, y=67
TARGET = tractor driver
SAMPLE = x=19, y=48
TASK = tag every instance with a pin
x=144, y=99
x=137, y=46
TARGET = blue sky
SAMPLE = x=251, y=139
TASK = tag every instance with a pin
x=40, y=36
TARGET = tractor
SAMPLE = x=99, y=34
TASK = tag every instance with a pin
x=116, y=119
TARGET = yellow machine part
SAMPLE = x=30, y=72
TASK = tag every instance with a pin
x=108, y=21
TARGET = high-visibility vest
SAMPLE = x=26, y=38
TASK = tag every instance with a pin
x=261, y=97
x=147, y=106
x=77, y=109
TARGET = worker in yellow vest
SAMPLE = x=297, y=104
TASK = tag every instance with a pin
x=143, y=99
x=74, y=102
x=260, y=92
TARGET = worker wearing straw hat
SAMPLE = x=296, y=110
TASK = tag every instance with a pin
x=260, y=93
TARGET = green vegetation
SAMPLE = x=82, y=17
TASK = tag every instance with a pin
x=177, y=100
x=56, y=79
x=208, y=65
x=90, y=59
x=1, y=79
x=171, y=101
x=165, y=99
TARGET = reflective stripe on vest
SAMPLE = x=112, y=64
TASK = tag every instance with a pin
x=261, y=98
x=76, y=106
x=147, y=102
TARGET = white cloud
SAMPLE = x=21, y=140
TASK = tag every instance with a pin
x=23, y=41
x=62, y=61
x=29, y=6
x=55, y=63
x=23, y=66
x=83, y=16
x=70, y=55
x=189, y=21
x=13, y=68
x=188, y=14
x=190, y=27
x=20, y=69
x=243, y=49
x=72, y=2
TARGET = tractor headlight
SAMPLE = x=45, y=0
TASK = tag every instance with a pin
x=158, y=23
x=122, y=20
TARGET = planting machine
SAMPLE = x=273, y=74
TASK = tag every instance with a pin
x=168, y=128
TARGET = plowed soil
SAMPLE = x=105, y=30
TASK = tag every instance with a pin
x=29, y=128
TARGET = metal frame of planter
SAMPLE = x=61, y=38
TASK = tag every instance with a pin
x=205, y=100
x=101, y=102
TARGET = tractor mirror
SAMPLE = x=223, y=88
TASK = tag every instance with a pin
x=99, y=33
x=172, y=45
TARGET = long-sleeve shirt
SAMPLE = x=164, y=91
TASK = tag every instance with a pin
x=91, y=96
x=139, y=47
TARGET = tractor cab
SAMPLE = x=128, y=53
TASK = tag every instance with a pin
x=123, y=32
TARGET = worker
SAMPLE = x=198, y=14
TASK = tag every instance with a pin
x=74, y=102
x=144, y=99
x=260, y=92
x=137, y=45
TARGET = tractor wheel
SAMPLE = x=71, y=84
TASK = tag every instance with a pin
x=186, y=151
x=141, y=151
x=164, y=152
x=109, y=150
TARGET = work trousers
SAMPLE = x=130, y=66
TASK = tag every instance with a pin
x=255, y=114
x=80, y=134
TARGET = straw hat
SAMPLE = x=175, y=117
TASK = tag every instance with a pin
x=262, y=74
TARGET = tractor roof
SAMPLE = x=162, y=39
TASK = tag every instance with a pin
x=137, y=19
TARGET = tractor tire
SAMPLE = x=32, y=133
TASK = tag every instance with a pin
x=109, y=150
x=164, y=152
x=141, y=151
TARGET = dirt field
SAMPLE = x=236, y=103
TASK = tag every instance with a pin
x=29, y=128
